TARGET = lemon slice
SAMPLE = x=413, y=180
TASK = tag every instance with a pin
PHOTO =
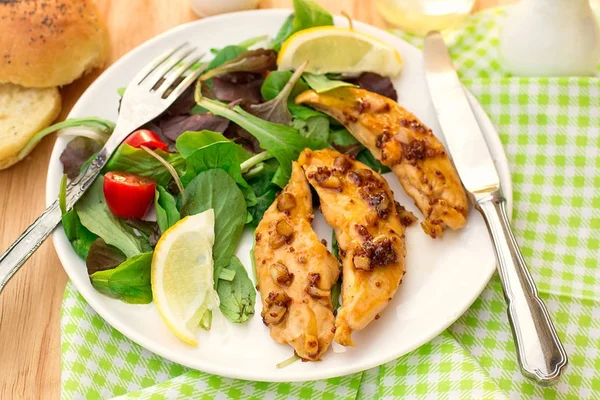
x=182, y=274
x=342, y=50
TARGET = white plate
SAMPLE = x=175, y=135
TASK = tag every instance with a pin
x=444, y=276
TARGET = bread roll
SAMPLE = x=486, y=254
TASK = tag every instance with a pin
x=23, y=113
x=50, y=43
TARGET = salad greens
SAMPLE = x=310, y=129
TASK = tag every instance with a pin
x=283, y=142
x=321, y=83
x=236, y=167
x=237, y=294
x=97, y=218
x=138, y=161
x=307, y=14
x=129, y=282
x=103, y=256
x=167, y=213
x=216, y=189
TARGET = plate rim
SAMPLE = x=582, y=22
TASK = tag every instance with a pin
x=493, y=142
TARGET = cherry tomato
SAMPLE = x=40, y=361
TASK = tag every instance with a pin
x=145, y=137
x=128, y=195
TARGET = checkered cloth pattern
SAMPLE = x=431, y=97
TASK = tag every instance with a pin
x=550, y=128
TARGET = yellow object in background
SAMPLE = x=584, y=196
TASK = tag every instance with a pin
x=422, y=16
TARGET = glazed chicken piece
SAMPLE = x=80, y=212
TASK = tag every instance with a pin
x=295, y=272
x=359, y=205
x=401, y=142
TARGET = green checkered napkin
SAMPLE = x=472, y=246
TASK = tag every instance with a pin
x=551, y=132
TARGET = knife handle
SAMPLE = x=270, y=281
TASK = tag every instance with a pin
x=542, y=356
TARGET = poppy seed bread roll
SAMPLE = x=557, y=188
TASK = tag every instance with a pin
x=50, y=43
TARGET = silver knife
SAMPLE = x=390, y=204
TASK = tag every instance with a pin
x=541, y=354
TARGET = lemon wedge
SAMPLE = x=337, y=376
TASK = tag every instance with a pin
x=182, y=274
x=338, y=50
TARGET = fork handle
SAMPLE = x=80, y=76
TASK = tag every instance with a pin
x=542, y=356
x=33, y=237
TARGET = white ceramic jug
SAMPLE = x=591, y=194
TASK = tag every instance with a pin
x=551, y=38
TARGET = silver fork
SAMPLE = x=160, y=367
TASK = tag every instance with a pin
x=149, y=94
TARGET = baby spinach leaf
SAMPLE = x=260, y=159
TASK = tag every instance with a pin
x=97, y=218
x=307, y=14
x=302, y=112
x=344, y=142
x=189, y=142
x=315, y=129
x=286, y=30
x=138, y=161
x=103, y=256
x=167, y=213
x=320, y=83
x=80, y=237
x=238, y=295
x=276, y=81
x=367, y=158
x=265, y=192
x=255, y=61
x=215, y=189
x=129, y=282
x=283, y=142
x=221, y=155
x=276, y=110
x=227, y=53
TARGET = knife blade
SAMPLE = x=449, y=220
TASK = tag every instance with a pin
x=465, y=140
x=541, y=355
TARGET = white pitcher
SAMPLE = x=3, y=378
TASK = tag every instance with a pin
x=551, y=38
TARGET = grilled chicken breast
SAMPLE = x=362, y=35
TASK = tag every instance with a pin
x=401, y=142
x=295, y=272
x=359, y=205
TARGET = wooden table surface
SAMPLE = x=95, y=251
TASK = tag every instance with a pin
x=30, y=304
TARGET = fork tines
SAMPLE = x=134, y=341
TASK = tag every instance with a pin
x=167, y=73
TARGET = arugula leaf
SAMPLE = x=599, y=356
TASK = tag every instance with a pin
x=320, y=83
x=238, y=295
x=167, y=213
x=221, y=155
x=129, y=282
x=189, y=142
x=215, y=189
x=103, y=256
x=341, y=140
x=138, y=161
x=80, y=237
x=315, y=129
x=307, y=14
x=283, y=142
x=98, y=124
x=97, y=218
